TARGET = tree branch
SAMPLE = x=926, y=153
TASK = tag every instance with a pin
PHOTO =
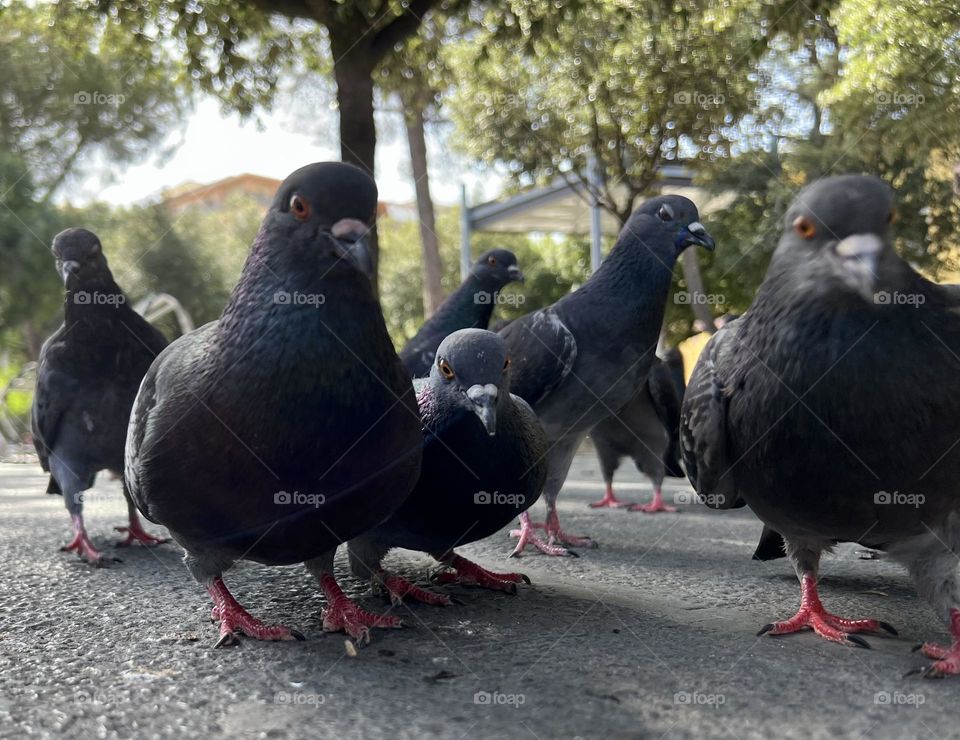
x=400, y=27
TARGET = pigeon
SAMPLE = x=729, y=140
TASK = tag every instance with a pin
x=88, y=375
x=673, y=367
x=581, y=359
x=642, y=430
x=468, y=307
x=289, y=425
x=828, y=408
x=484, y=461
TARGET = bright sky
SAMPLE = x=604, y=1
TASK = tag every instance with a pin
x=215, y=146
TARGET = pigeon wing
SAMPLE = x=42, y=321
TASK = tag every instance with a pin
x=703, y=425
x=542, y=351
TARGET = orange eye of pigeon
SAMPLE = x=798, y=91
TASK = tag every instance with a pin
x=491, y=260
x=299, y=208
x=445, y=370
x=804, y=227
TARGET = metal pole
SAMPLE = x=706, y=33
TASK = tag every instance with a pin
x=596, y=235
x=465, y=256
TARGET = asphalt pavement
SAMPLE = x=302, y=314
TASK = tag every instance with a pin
x=653, y=634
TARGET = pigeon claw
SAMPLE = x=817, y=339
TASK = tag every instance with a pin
x=946, y=659
x=468, y=573
x=609, y=501
x=558, y=535
x=399, y=589
x=136, y=533
x=555, y=534
x=654, y=506
x=235, y=620
x=82, y=545
x=829, y=626
x=527, y=536
x=344, y=615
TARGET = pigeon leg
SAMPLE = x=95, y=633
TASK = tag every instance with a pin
x=555, y=534
x=527, y=536
x=946, y=659
x=829, y=626
x=933, y=568
x=398, y=588
x=73, y=485
x=344, y=614
x=654, y=506
x=82, y=545
x=235, y=620
x=469, y=573
x=609, y=500
x=136, y=532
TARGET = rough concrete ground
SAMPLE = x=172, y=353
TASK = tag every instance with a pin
x=651, y=635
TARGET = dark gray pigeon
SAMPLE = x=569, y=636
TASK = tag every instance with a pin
x=582, y=359
x=468, y=307
x=643, y=431
x=89, y=373
x=828, y=408
x=484, y=461
x=289, y=425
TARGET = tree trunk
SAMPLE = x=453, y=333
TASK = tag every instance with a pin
x=358, y=131
x=430, y=243
x=694, y=280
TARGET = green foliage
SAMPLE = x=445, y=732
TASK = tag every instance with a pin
x=906, y=65
x=633, y=85
x=195, y=256
x=30, y=292
x=233, y=50
x=74, y=87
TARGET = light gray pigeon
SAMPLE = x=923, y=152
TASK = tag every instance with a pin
x=580, y=360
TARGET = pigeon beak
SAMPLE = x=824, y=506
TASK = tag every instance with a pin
x=859, y=259
x=515, y=274
x=483, y=399
x=68, y=268
x=695, y=234
x=351, y=237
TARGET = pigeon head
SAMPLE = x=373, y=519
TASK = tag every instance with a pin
x=471, y=371
x=498, y=266
x=674, y=217
x=79, y=257
x=836, y=235
x=321, y=215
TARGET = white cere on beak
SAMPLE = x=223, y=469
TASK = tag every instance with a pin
x=862, y=247
x=695, y=227
x=860, y=255
x=478, y=392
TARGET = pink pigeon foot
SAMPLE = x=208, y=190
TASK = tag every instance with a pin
x=609, y=501
x=400, y=589
x=136, y=533
x=654, y=506
x=527, y=535
x=828, y=626
x=468, y=573
x=82, y=545
x=946, y=660
x=235, y=620
x=343, y=614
